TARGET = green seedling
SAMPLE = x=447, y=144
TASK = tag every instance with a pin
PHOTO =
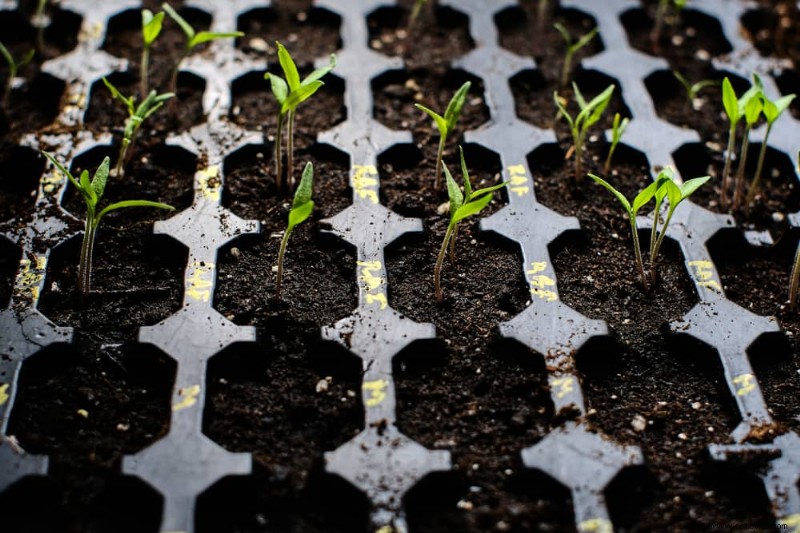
x=572, y=49
x=445, y=125
x=415, y=12
x=92, y=192
x=289, y=94
x=13, y=68
x=151, y=28
x=589, y=114
x=752, y=110
x=663, y=187
x=193, y=39
x=661, y=15
x=617, y=130
x=302, y=206
x=471, y=202
x=692, y=89
x=735, y=110
x=772, y=110
x=136, y=115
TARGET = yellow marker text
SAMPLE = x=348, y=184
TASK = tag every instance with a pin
x=539, y=283
x=373, y=283
x=519, y=181
x=745, y=383
x=365, y=182
x=704, y=274
x=199, y=281
x=376, y=390
x=208, y=183
x=188, y=397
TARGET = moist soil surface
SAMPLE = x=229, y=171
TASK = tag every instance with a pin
x=290, y=396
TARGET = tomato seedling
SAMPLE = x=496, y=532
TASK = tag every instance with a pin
x=735, y=110
x=302, y=206
x=151, y=28
x=92, y=192
x=661, y=15
x=691, y=90
x=572, y=49
x=289, y=94
x=617, y=130
x=445, y=124
x=13, y=68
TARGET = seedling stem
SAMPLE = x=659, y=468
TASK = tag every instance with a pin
x=302, y=206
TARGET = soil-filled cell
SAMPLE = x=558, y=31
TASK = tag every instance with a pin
x=32, y=106
x=772, y=30
x=20, y=171
x=308, y=33
x=437, y=36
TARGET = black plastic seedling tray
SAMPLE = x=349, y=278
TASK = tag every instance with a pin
x=381, y=461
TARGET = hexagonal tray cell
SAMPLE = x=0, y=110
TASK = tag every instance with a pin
x=772, y=30
x=516, y=25
x=309, y=33
x=408, y=176
x=179, y=114
x=286, y=402
x=777, y=195
x=154, y=172
x=691, y=35
x=86, y=407
x=439, y=35
x=254, y=107
x=59, y=36
x=32, y=106
x=20, y=170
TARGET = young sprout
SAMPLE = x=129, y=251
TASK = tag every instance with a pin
x=752, y=110
x=572, y=49
x=13, y=68
x=415, y=12
x=589, y=114
x=151, y=28
x=692, y=89
x=617, y=130
x=662, y=187
x=445, y=125
x=772, y=110
x=734, y=109
x=193, y=38
x=136, y=115
x=461, y=206
x=302, y=205
x=92, y=192
x=661, y=14
x=290, y=93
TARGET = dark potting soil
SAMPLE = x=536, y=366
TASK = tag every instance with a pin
x=481, y=397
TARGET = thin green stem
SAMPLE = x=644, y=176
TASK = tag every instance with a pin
x=453, y=244
x=437, y=271
x=281, y=253
x=85, y=261
x=739, y=186
x=751, y=193
x=723, y=199
x=278, y=158
x=143, y=73
x=654, y=257
x=567, y=68
x=290, y=151
x=638, y=251
x=123, y=153
x=578, y=158
x=794, y=279
x=654, y=233
x=439, y=155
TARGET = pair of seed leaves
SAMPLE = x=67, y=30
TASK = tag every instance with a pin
x=752, y=103
x=470, y=202
x=292, y=92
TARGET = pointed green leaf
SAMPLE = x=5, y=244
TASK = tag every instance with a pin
x=300, y=95
x=453, y=191
x=101, y=177
x=187, y=29
x=564, y=33
x=489, y=189
x=594, y=110
x=683, y=81
x=133, y=203
x=304, y=189
x=700, y=85
x=579, y=96
x=206, y=36
x=773, y=110
x=289, y=68
x=753, y=110
x=61, y=168
x=688, y=187
x=753, y=93
x=645, y=195
x=583, y=41
x=472, y=208
x=151, y=26
x=320, y=72
x=624, y=201
x=441, y=123
x=563, y=110
x=729, y=101
x=8, y=57
x=673, y=194
x=27, y=58
x=453, y=110
x=279, y=88
x=299, y=214
x=465, y=173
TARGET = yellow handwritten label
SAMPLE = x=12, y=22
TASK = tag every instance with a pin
x=365, y=182
x=199, y=281
x=704, y=274
x=563, y=386
x=376, y=390
x=596, y=525
x=744, y=384
x=789, y=523
x=372, y=282
x=4, y=393
x=519, y=181
x=29, y=277
x=208, y=183
x=188, y=397
x=539, y=282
